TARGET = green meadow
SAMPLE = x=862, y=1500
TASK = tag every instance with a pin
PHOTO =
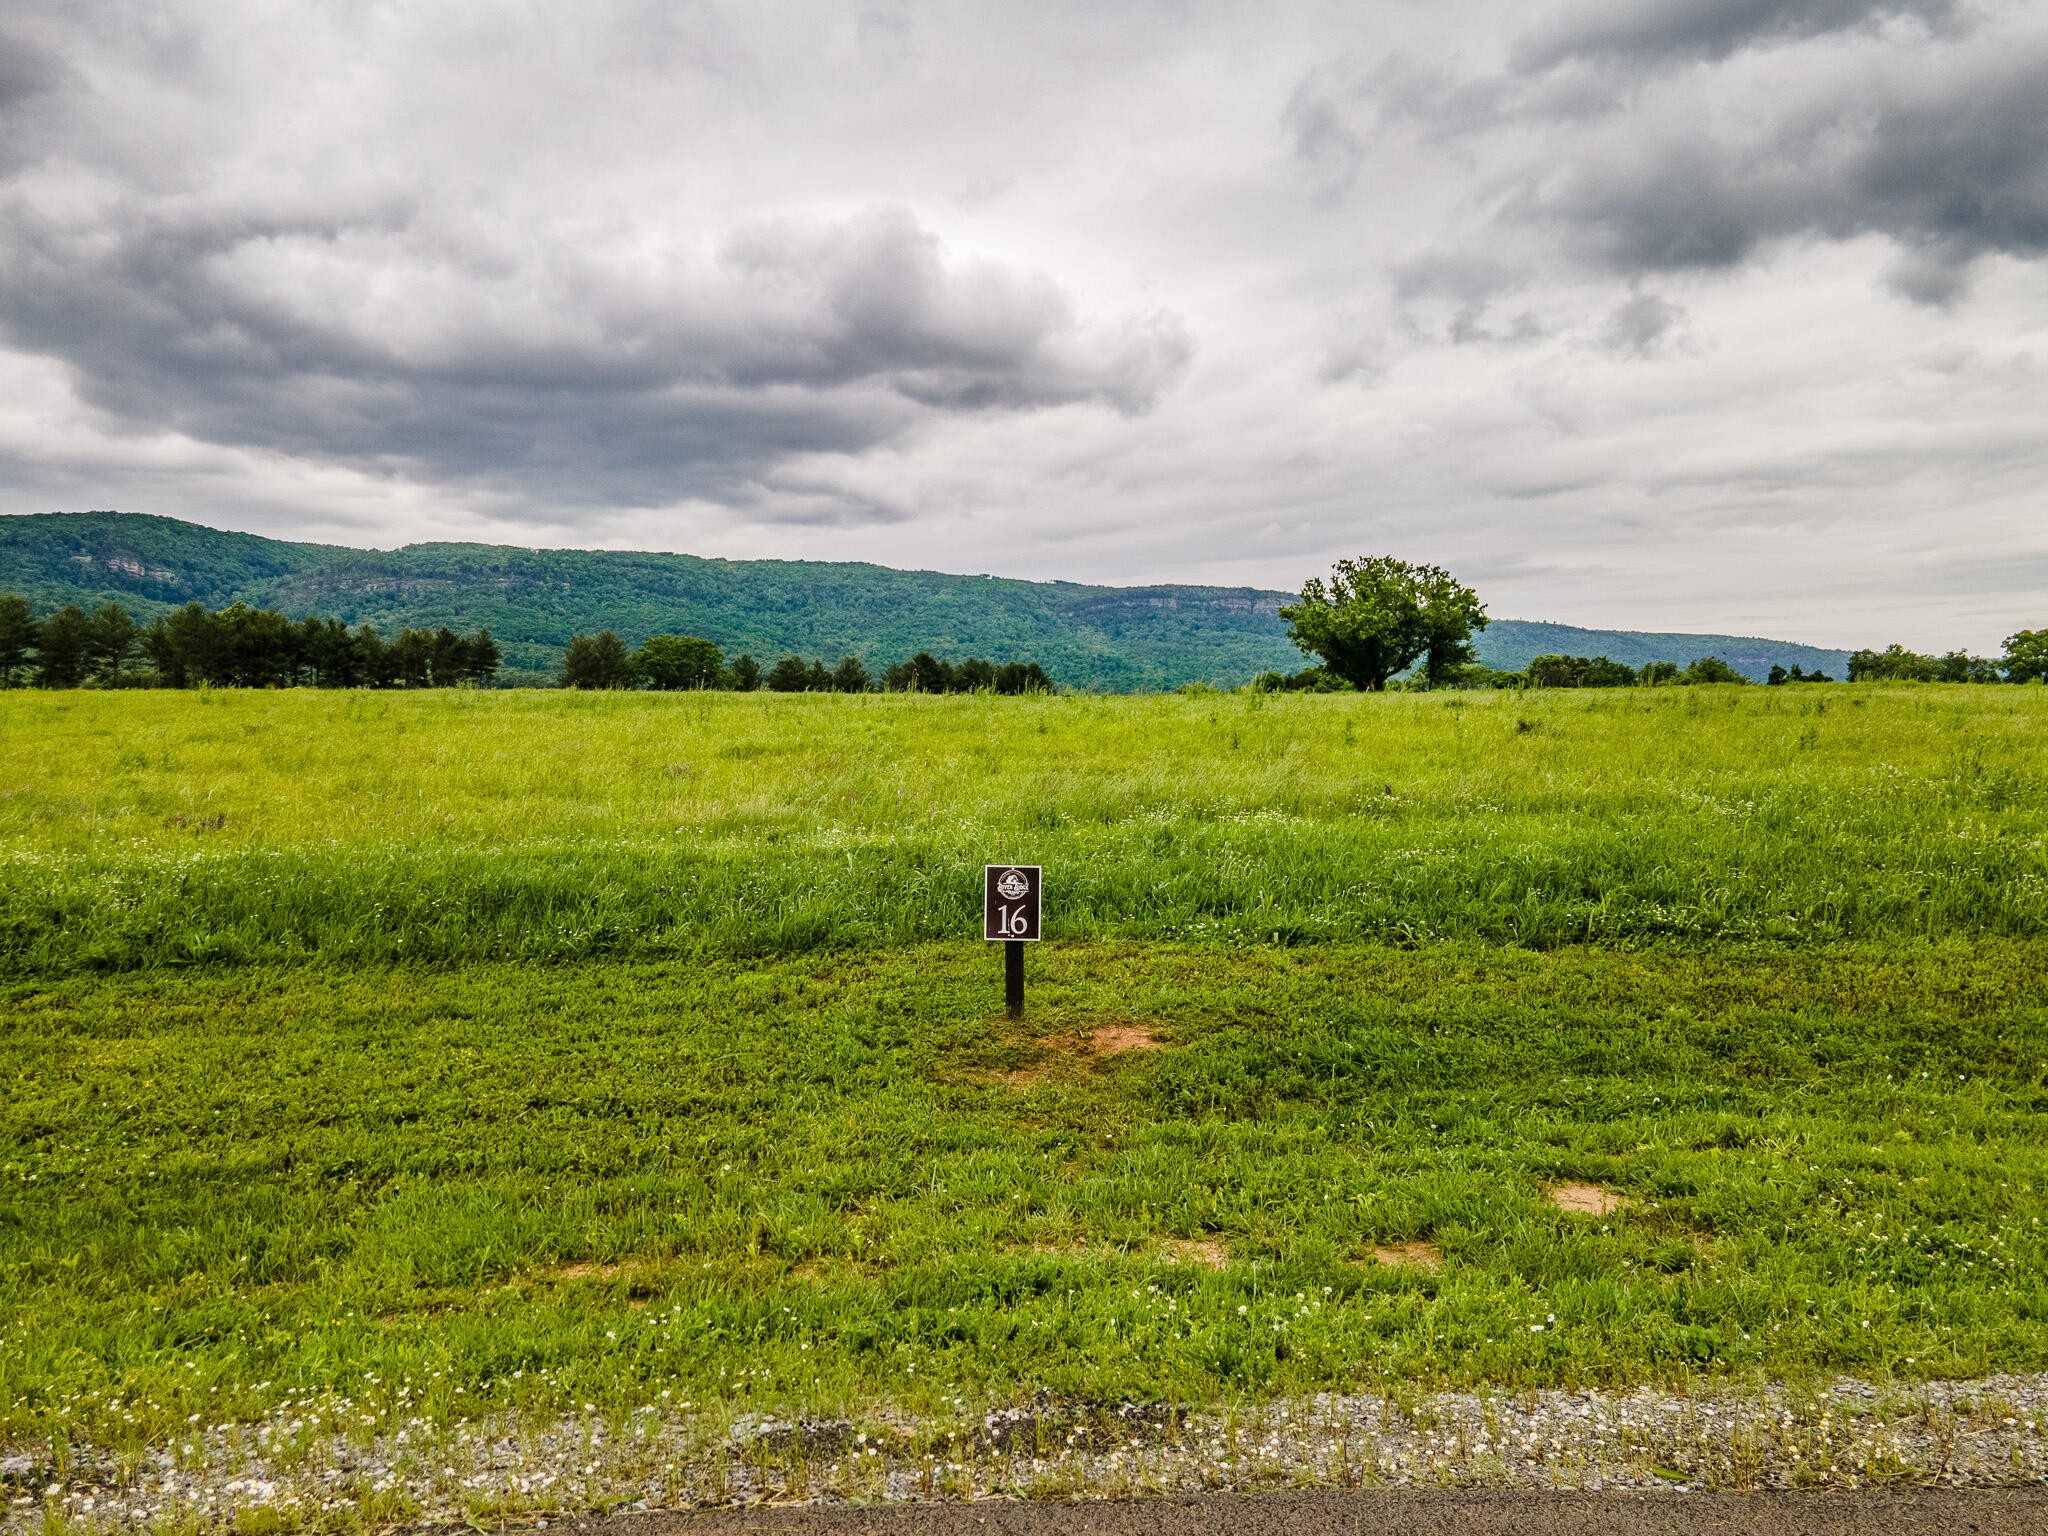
x=377, y=1055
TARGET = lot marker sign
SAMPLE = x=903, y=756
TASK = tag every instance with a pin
x=1011, y=915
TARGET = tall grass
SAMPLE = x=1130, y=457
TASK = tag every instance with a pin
x=155, y=829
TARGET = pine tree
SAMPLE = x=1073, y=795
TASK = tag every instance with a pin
x=61, y=649
x=596, y=661
x=110, y=641
x=789, y=675
x=18, y=634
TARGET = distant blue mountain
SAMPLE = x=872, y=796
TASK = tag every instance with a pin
x=1510, y=644
x=533, y=600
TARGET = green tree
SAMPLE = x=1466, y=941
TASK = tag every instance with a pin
x=484, y=658
x=447, y=658
x=1962, y=667
x=1556, y=671
x=18, y=634
x=1893, y=664
x=1451, y=615
x=746, y=673
x=597, y=661
x=1014, y=677
x=411, y=657
x=331, y=653
x=2026, y=656
x=254, y=647
x=1307, y=680
x=61, y=648
x=1602, y=673
x=186, y=647
x=789, y=675
x=1579, y=672
x=671, y=662
x=928, y=674
x=1711, y=669
x=1375, y=617
x=373, y=657
x=850, y=676
x=111, y=634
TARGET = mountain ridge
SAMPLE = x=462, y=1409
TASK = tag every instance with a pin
x=533, y=600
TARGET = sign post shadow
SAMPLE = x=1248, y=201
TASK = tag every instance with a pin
x=1010, y=915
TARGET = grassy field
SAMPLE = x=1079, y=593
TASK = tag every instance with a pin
x=157, y=829
x=398, y=1055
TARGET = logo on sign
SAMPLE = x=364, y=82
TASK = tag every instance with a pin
x=1012, y=886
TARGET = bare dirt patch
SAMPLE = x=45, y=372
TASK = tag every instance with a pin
x=1415, y=1253
x=819, y=1269
x=1123, y=1035
x=1205, y=1251
x=1058, y=1054
x=584, y=1269
x=1584, y=1199
x=640, y=1274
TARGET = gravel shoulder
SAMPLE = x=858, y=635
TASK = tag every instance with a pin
x=1584, y=1451
x=1329, y=1512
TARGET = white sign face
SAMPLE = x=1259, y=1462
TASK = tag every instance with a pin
x=1010, y=907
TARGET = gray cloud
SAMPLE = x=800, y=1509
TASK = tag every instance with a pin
x=32, y=81
x=1641, y=326
x=1462, y=298
x=370, y=336
x=1844, y=130
x=25, y=72
x=1951, y=168
x=1662, y=31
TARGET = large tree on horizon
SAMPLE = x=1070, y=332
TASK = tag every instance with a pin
x=1378, y=616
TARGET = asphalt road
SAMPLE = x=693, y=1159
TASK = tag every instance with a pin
x=1910, y=1512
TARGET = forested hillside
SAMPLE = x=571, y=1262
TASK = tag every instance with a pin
x=533, y=600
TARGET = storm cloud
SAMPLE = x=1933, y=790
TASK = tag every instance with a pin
x=1717, y=312
x=1950, y=166
x=388, y=336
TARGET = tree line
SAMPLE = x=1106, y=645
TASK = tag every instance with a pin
x=1376, y=623
x=237, y=646
x=2025, y=661
x=1381, y=622
x=1550, y=671
x=672, y=662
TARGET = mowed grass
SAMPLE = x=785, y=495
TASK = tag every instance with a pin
x=423, y=1055
x=149, y=829
x=828, y=1182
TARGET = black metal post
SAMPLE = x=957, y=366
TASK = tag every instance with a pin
x=1013, y=977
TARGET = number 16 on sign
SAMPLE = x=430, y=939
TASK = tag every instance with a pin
x=1010, y=915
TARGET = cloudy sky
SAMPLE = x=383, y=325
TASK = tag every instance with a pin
x=1682, y=314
